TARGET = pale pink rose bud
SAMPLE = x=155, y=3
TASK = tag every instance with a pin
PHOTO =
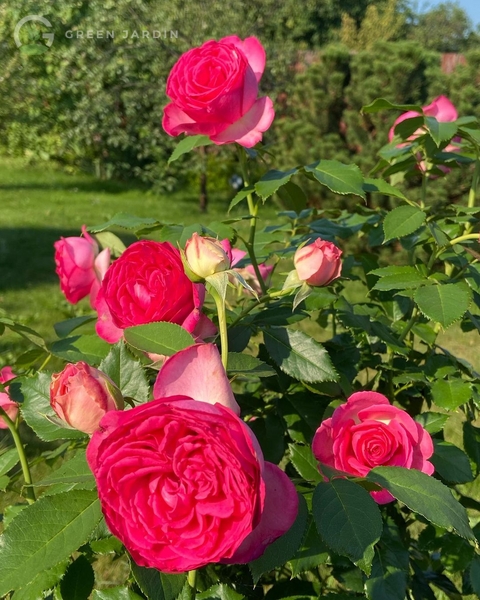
x=319, y=263
x=8, y=405
x=81, y=395
x=206, y=256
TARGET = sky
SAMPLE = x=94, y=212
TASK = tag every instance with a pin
x=471, y=7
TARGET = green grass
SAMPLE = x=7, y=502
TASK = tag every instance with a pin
x=39, y=204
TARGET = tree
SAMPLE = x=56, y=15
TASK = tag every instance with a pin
x=445, y=28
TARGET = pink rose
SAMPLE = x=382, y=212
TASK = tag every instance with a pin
x=214, y=91
x=80, y=266
x=368, y=432
x=441, y=108
x=182, y=480
x=206, y=255
x=8, y=405
x=319, y=263
x=146, y=284
x=81, y=395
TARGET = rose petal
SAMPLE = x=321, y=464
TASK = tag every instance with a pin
x=279, y=514
x=175, y=122
x=253, y=50
x=196, y=372
x=248, y=130
x=442, y=109
x=105, y=326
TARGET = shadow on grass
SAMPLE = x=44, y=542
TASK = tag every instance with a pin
x=74, y=184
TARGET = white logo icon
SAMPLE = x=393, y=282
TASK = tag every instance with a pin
x=47, y=36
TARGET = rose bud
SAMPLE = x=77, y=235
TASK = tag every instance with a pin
x=206, y=255
x=81, y=395
x=80, y=266
x=319, y=263
x=8, y=405
x=367, y=432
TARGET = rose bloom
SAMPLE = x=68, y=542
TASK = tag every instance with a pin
x=368, y=432
x=318, y=263
x=182, y=480
x=214, y=92
x=80, y=266
x=146, y=284
x=8, y=405
x=81, y=395
x=206, y=255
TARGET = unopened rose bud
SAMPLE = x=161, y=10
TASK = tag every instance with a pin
x=319, y=263
x=206, y=256
x=81, y=395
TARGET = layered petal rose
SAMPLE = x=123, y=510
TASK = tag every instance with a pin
x=368, y=432
x=146, y=284
x=318, y=263
x=182, y=480
x=8, y=405
x=80, y=266
x=214, y=92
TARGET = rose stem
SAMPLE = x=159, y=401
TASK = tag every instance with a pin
x=253, y=209
x=472, y=193
x=192, y=582
x=222, y=324
x=21, y=454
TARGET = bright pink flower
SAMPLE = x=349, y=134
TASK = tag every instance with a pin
x=182, y=481
x=206, y=255
x=146, y=284
x=81, y=395
x=441, y=108
x=318, y=263
x=8, y=405
x=80, y=266
x=214, y=92
x=368, y=432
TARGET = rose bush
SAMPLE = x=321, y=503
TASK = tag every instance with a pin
x=368, y=432
x=81, y=395
x=214, y=92
x=80, y=266
x=148, y=283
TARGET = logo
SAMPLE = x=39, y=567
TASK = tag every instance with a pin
x=33, y=48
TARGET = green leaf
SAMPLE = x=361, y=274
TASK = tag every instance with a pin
x=399, y=278
x=451, y=393
x=65, y=328
x=78, y=581
x=44, y=534
x=220, y=591
x=299, y=355
x=8, y=460
x=382, y=104
x=312, y=553
x=241, y=195
x=219, y=282
x=126, y=372
x=474, y=573
x=388, y=579
x=348, y=519
x=45, y=580
x=160, y=338
x=187, y=144
x=126, y=221
x=272, y=181
x=106, y=545
x=425, y=495
x=293, y=197
x=471, y=443
x=339, y=178
x=107, y=239
x=88, y=348
x=432, y=422
x=36, y=409
x=116, y=593
x=451, y=463
x=282, y=550
x=379, y=186
x=402, y=221
x=25, y=332
x=444, y=303
x=440, y=131
x=75, y=470
x=156, y=585
x=305, y=462
x=245, y=364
